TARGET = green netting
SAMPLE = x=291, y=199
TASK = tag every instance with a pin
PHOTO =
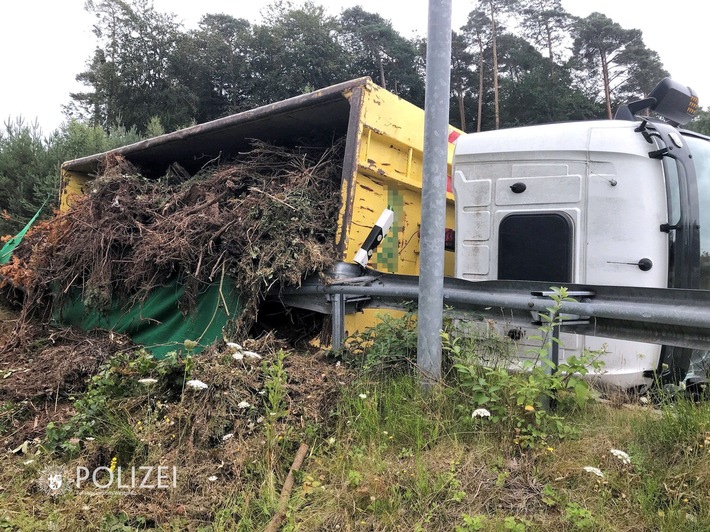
x=158, y=324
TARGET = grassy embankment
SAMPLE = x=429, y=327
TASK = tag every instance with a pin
x=382, y=454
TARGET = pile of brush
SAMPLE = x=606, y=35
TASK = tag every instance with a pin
x=264, y=220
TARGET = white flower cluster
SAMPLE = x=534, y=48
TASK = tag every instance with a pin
x=196, y=384
x=594, y=471
x=480, y=412
x=239, y=353
x=621, y=455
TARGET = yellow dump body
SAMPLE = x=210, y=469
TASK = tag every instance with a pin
x=382, y=164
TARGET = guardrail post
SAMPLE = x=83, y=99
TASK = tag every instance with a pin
x=338, y=320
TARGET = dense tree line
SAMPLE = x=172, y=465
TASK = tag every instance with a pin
x=514, y=62
x=29, y=163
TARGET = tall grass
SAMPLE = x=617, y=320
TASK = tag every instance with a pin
x=395, y=456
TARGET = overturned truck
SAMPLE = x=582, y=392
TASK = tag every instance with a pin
x=374, y=139
x=597, y=206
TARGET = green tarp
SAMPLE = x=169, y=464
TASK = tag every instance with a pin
x=158, y=324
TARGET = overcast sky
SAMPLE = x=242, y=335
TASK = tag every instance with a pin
x=45, y=43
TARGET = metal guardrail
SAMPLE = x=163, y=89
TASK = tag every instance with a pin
x=668, y=316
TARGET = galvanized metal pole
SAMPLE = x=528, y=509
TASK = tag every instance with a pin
x=433, y=224
x=338, y=320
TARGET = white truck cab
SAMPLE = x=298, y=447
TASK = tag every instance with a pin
x=610, y=202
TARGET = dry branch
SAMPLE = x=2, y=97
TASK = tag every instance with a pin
x=280, y=515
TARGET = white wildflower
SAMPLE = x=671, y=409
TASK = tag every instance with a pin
x=480, y=412
x=621, y=455
x=331, y=440
x=363, y=396
x=262, y=392
x=244, y=404
x=228, y=436
x=196, y=384
x=594, y=470
x=147, y=382
x=240, y=353
x=212, y=478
